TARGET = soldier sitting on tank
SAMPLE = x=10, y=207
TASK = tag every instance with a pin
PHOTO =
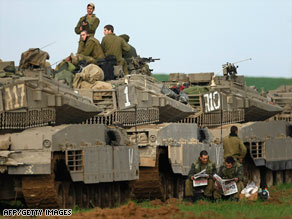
x=114, y=45
x=89, y=50
x=132, y=52
x=202, y=163
x=233, y=145
x=230, y=170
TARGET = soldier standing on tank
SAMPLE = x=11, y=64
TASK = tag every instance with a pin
x=233, y=145
x=114, y=45
x=230, y=170
x=89, y=22
x=202, y=163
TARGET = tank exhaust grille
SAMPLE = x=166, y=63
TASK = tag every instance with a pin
x=74, y=160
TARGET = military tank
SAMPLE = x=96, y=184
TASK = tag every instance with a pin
x=146, y=111
x=223, y=101
x=47, y=158
x=283, y=97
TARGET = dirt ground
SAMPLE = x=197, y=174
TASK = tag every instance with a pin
x=131, y=210
x=161, y=210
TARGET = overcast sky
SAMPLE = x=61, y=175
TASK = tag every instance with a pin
x=188, y=36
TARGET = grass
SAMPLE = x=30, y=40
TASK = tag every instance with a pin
x=259, y=82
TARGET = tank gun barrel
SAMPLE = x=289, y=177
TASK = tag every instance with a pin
x=244, y=60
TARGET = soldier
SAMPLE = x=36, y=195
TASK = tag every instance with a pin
x=89, y=50
x=202, y=163
x=114, y=45
x=231, y=170
x=233, y=145
x=132, y=52
x=88, y=22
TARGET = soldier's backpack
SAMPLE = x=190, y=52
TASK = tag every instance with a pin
x=33, y=58
x=107, y=65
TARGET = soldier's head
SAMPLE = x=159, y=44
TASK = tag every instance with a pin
x=84, y=35
x=90, y=8
x=204, y=157
x=229, y=161
x=233, y=130
x=125, y=37
x=108, y=29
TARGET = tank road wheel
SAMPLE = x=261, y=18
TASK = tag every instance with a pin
x=61, y=194
x=256, y=176
x=97, y=196
x=163, y=187
x=82, y=196
x=116, y=194
x=288, y=176
x=179, y=187
x=105, y=195
x=269, y=178
x=70, y=195
x=125, y=191
x=279, y=177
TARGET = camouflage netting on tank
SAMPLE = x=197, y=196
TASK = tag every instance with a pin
x=27, y=119
x=127, y=118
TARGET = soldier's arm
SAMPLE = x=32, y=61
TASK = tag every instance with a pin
x=92, y=27
x=77, y=28
x=125, y=46
x=242, y=149
x=240, y=173
x=214, y=170
x=79, y=48
x=89, y=48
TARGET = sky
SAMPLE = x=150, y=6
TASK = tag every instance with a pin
x=189, y=36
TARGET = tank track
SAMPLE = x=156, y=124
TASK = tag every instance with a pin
x=47, y=191
x=158, y=182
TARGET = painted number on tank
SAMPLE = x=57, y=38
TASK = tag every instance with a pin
x=131, y=157
x=126, y=92
x=212, y=101
x=14, y=97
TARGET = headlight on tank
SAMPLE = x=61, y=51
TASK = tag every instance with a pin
x=152, y=138
x=47, y=143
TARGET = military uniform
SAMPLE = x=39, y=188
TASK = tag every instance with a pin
x=236, y=171
x=90, y=50
x=132, y=52
x=114, y=45
x=197, y=167
x=233, y=147
x=91, y=27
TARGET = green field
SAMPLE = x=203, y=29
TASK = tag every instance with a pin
x=279, y=205
x=259, y=82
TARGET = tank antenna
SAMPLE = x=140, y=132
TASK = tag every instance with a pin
x=48, y=44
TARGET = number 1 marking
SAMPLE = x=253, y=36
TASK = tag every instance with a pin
x=126, y=92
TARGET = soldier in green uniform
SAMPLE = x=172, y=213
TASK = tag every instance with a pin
x=233, y=145
x=114, y=45
x=89, y=49
x=231, y=170
x=132, y=52
x=202, y=163
x=89, y=22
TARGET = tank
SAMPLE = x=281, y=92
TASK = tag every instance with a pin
x=223, y=101
x=150, y=113
x=283, y=97
x=48, y=158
